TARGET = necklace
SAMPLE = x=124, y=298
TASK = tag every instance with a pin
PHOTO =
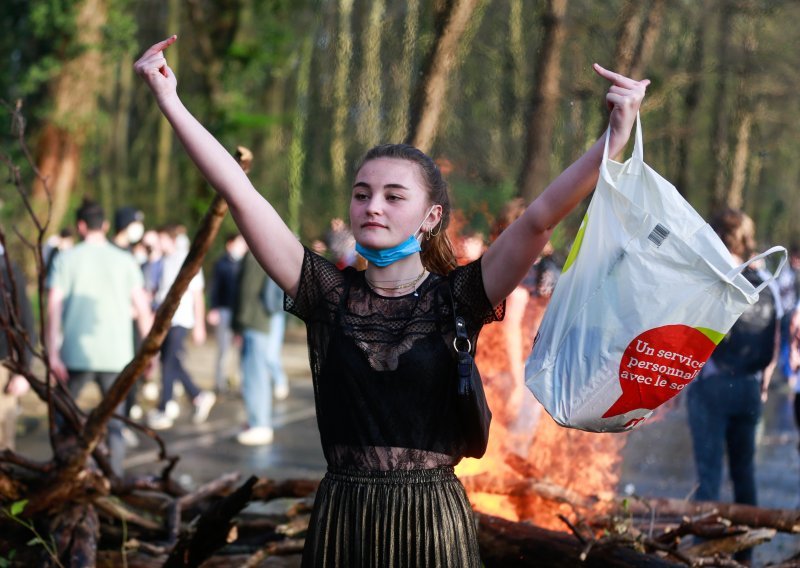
x=374, y=284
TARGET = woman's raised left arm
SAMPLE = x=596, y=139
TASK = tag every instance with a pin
x=509, y=257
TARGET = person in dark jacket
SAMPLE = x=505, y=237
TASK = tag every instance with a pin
x=224, y=289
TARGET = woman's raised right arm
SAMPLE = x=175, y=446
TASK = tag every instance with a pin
x=272, y=242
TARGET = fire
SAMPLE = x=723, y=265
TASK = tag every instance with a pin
x=529, y=455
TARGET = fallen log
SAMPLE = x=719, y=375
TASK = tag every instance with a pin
x=508, y=544
x=782, y=520
x=731, y=544
x=211, y=531
x=509, y=484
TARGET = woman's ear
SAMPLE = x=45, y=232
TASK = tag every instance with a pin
x=434, y=217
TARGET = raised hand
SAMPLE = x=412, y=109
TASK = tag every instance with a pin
x=623, y=99
x=153, y=68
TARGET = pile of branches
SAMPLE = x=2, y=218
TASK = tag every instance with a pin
x=629, y=531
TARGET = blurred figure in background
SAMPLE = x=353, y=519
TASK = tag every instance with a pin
x=64, y=240
x=222, y=299
x=128, y=227
x=93, y=289
x=190, y=315
x=13, y=386
x=128, y=231
x=260, y=319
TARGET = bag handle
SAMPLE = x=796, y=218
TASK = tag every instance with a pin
x=638, y=149
x=733, y=273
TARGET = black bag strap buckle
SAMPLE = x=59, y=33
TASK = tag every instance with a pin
x=461, y=337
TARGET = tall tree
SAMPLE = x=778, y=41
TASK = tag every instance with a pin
x=402, y=73
x=744, y=115
x=297, y=154
x=650, y=33
x=74, y=92
x=630, y=24
x=544, y=99
x=163, y=187
x=429, y=99
x=370, y=90
x=691, y=101
x=720, y=148
x=344, y=54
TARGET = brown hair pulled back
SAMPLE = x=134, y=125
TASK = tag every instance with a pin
x=737, y=231
x=437, y=251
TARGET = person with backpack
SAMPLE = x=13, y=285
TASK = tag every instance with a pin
x=260, y=319
x=726, y=399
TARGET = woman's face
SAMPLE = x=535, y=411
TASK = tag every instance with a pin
x=389, y=202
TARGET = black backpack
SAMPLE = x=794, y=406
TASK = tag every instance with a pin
x=750, y=344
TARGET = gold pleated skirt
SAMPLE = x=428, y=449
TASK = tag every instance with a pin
x=397, y=519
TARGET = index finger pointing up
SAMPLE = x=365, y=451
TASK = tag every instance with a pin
x=161, y=46
x=618, y=79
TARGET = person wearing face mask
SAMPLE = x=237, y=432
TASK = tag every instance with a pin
x=381, y=340
x=222, y=298
x=128, y=227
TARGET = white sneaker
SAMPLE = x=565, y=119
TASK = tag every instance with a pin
x=130, y=437
x=281, y=392
x=202, y=406
x=136, y=412
x=258, y=436
x=150, y=391
x=173, y=409
x=158, y=420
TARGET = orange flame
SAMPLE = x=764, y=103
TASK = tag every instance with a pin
x=528, y=446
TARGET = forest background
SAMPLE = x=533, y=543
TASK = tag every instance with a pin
x=500, y=92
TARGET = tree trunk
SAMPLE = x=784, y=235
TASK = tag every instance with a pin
x=344, y=53
x=691, y=101
x=745, y=114
x=650, y=34
x=431, y=92
x=627, y=36
x=370, y=91
x=741, y=159
x=297, y=153
x=719, y=130
x=519, y=84
x=74, y=92
x=536, y=166
x=163, y=186
x=402, y=74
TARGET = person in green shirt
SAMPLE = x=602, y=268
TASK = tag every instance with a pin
x=93, y=290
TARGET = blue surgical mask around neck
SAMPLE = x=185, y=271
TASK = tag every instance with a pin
x=385, y=257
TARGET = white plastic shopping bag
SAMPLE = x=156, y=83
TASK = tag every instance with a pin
x=647, y=292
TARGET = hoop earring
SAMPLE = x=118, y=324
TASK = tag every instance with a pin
x=431, y=234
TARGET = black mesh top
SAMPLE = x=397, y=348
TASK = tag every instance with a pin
x=383, y=367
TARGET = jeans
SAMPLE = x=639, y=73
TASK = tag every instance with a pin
x=724, y=411
x=104, y=380
x=172, y=354
x=261, y=368
x=224, y=336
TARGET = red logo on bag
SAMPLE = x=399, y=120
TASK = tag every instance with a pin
x=657, y=365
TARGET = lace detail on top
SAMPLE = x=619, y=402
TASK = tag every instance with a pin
x=383, y=367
